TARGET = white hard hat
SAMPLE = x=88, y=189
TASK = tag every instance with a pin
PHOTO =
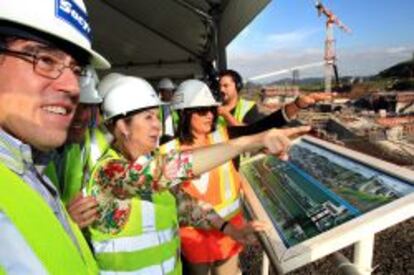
x=89, y=94
x=127, y=94
x=166, y=84
x=64, y=19
x=105, y=85
x=193, y=93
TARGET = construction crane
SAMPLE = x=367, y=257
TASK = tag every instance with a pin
x=330, y=55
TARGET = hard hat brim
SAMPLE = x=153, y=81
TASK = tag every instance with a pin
x=178, y=107
x=91, y=101
x=130, y=112
x=97, y=60
x=20, y=30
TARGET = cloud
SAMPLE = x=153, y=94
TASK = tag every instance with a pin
x=293, y=38
x=249, y=42
x=253, y=64
x=396, y=50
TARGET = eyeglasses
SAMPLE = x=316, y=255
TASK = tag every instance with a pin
x=203, y=111
x=45, y=64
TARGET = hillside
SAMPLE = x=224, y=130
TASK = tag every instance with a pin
x=400, y=70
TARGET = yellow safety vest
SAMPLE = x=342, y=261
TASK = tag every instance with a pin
x=78, y=164
x=148, y=243
x=43, y=232
x=242, y=108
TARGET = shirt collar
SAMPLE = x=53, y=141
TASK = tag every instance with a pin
x=17, y=155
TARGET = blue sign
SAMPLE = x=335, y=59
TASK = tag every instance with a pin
x=71, y=13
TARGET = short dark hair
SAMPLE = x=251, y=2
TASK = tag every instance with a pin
x=184, y=133
x=235, y=76
x=2, y=41
x=5, y=39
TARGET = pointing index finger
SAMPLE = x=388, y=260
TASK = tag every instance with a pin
x=294, y=132
x=323, y=96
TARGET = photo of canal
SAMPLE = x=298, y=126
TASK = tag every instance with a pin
x=317, y=190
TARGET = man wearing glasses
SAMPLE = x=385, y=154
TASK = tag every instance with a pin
x=44, y=48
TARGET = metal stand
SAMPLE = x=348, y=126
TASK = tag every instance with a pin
x=363, y=254
x=345, y=267
x=265, y=264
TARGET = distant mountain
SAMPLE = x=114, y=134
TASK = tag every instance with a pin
x=400, y=77
x=302, y=81
x=321, y=80
x=400, y=70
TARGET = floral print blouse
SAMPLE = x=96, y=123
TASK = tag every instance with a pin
x=119, y=180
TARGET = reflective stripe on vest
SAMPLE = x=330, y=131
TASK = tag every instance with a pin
x=218, y=136
x=242, y=107
x=230, y=210
x=164, y=268
x=130, y=244
x=147, y=241
x=98, y=145
x=229, y=188
x=230, y=195
x=78, y=164
x=41, y=229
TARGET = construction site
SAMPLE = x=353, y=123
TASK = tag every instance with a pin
x=335, y=198
x=317, y=189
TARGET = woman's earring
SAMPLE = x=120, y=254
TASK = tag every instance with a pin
x=126, y=136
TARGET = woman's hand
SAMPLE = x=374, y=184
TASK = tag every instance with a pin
x=304, y=101
x=83, y=210
x=278, y=141
x=246, y=233
x=307, y=100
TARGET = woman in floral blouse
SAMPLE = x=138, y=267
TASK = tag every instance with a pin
x=132, y=173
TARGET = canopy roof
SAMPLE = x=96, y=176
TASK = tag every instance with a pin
x=167, y=38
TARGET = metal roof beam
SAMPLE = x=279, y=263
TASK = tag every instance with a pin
x=135, y=20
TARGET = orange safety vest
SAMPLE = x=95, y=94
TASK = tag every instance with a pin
x=223, y=192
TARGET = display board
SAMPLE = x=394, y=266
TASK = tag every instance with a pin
x=313, y=197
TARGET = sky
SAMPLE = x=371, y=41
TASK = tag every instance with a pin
x=288, y=33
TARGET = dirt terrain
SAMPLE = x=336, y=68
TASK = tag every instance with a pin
x=393, y=255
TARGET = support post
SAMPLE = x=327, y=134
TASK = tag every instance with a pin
x=344, y=266
x=221, y=49
x=265, y=264
x=363, y=254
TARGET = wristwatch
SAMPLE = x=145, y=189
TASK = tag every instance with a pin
x=296, y=102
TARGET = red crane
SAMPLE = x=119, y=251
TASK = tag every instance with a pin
x=330, y=56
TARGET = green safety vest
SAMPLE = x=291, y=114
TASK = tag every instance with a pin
x=42, y=231
x=148, y=243
x=175, y=119
x=78, y=164
x=242, y=108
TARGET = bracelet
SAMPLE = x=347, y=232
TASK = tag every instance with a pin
x=223, y=226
